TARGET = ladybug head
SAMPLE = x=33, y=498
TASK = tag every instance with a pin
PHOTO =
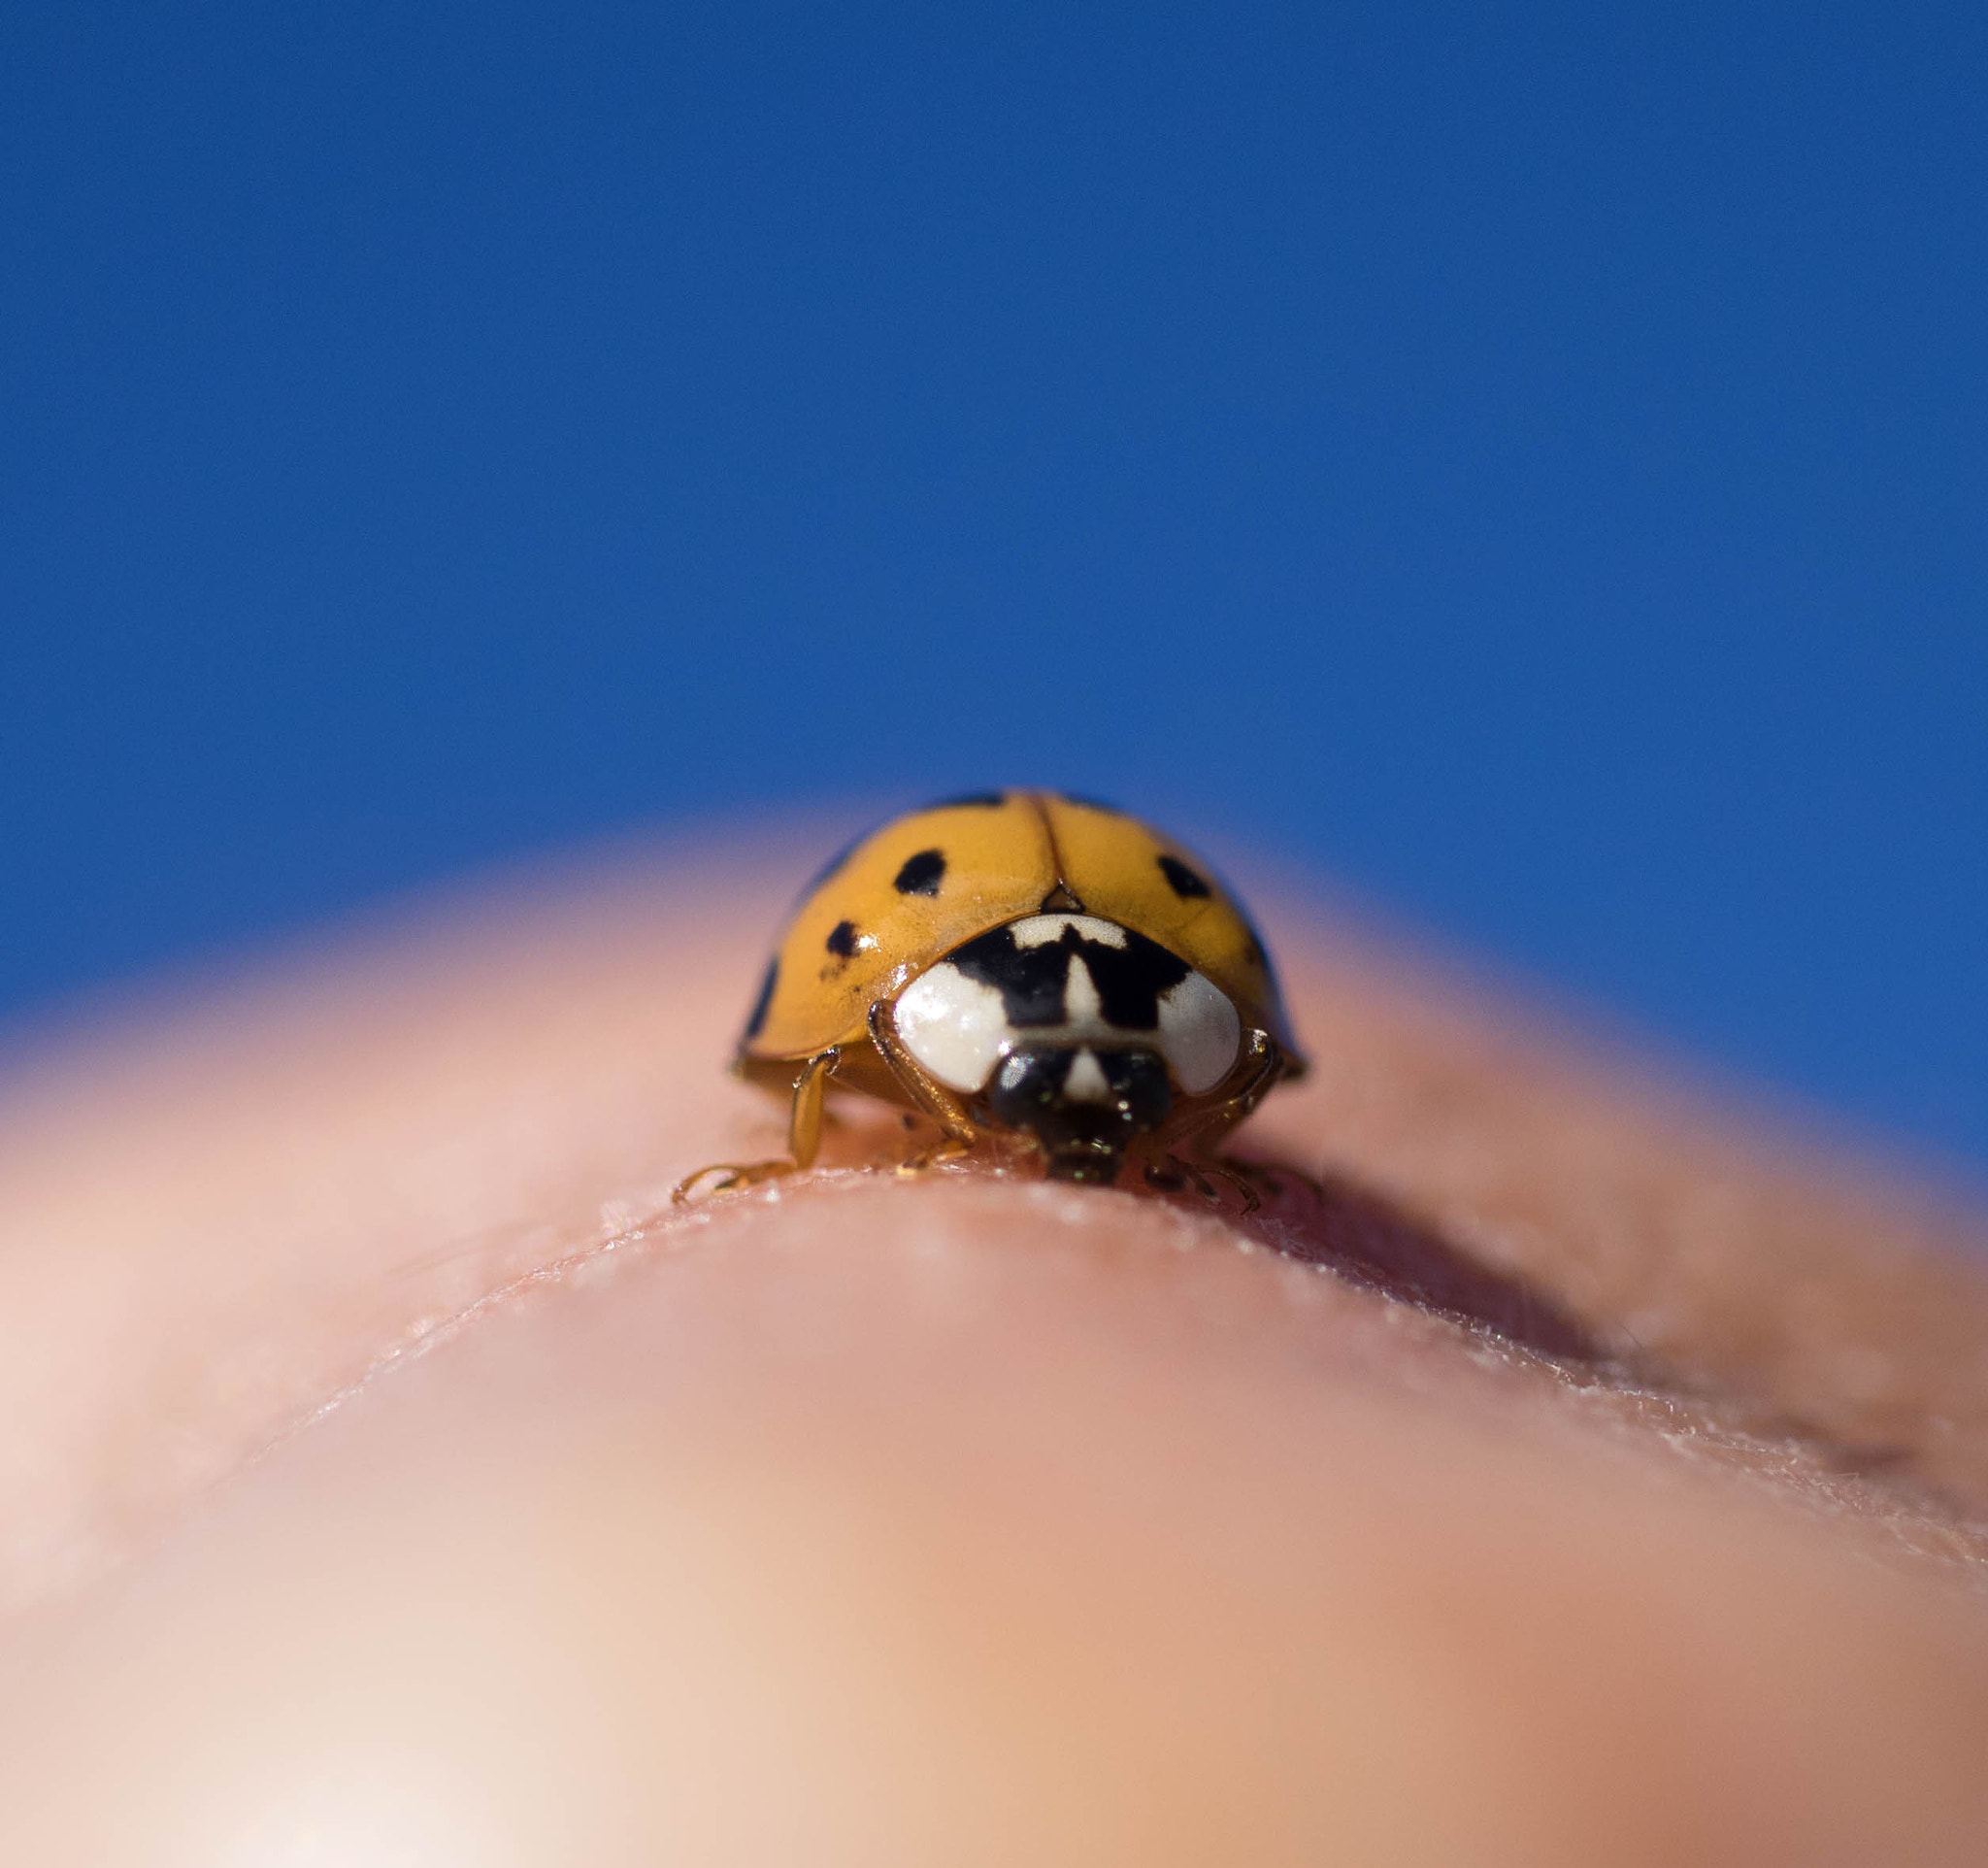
x=1083, y=1105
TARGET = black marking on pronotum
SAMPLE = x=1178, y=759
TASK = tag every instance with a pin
x=842, y=940
x=765, y=999
x=1184, y=883
x=1032, y=980
x=971, y=800
x=921, y=873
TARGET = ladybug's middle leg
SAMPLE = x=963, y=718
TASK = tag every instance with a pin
x=804, y=1138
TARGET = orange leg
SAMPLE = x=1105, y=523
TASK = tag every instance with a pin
x=933, y=1098
x=804, y=1138
x=1201, y=1129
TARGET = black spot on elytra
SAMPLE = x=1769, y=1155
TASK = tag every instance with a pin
x=921, y=873
x=842, y=940
x=971, y=801
x=765, y=999
x=1184, y=883
x=1031, y=980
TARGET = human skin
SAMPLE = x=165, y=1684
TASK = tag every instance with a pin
x=389, y=1473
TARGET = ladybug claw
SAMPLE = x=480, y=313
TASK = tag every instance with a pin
x=1175, y=1174
x=737, y=1175
x=937, y=1155
x=1243, y=1185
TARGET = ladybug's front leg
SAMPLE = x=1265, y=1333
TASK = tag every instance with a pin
x=1201, y=1130
x=932, y=1098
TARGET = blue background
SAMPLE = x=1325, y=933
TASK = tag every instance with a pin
x=1528, y=461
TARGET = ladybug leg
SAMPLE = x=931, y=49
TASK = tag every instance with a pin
x=930, y=1157
x=737, y=1175
x=1203, y=1128
x=804, y=1138
x=1206, y=1123
x=804, y=1119
x=933, y=1098
x=1241, y=1181
x=1177, y=1172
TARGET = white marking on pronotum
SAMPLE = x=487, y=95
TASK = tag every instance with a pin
x=1036, y=930
x=1199, y=1032
x=955, y=1026
x=1081, y=1006
x=1086, y=1082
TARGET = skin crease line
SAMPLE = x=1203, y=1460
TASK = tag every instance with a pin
x=1559, y=1468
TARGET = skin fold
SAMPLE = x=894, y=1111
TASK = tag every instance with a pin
x=1559, y=1468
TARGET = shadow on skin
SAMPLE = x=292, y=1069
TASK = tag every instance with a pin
x=1330, y=1223
x=1322, y=1219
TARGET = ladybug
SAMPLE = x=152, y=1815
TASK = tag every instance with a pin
x=1026, y=963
